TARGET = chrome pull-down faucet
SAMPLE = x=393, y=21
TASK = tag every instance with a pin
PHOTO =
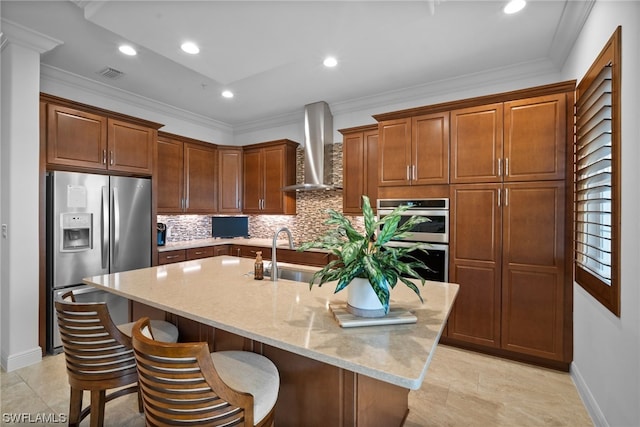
x=274, y=262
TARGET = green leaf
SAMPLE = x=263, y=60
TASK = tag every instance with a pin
x=369, y=218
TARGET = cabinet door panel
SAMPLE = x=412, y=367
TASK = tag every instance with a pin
x=353, y=161
x=200, y=165
x=476, y=144
x=371, y=166
x=430, y=149
x=476, y=264
x=274, y=179
x=394, y=152
x=533, y=268
x=170, y=175
x=230, y=176
x=253, y=182
x=535, y=138
x=76, y=138
x=530, y=312
x=475, y=316
x=130, y=147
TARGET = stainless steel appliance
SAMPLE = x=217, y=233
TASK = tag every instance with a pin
x=96, y=224
x=435, y=232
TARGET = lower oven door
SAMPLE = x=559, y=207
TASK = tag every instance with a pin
x=436, y=258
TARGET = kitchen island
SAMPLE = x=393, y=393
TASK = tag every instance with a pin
x=330, y=376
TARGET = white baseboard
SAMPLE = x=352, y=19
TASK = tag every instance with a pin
x=589, y=401
x=16, y=361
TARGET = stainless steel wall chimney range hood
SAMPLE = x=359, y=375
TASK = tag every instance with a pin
x=318, y=149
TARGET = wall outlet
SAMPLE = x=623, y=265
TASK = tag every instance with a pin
x=4, y=231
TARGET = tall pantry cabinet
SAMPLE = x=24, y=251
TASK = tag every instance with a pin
x=508, y=226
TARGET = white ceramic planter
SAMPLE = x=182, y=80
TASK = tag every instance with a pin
x=362, y=300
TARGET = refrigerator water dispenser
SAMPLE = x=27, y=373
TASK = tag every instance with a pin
x=76, y=231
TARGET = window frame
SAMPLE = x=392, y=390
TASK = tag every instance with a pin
x=608, y=294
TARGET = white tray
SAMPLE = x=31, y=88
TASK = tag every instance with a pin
x=396, y=316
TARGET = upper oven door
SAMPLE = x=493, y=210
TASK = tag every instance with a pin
x=435, y=229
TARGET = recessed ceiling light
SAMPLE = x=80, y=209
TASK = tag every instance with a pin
x=514, y=6
x=330, y=61
x=127, y=50
x=190, y=47
x=227, y=94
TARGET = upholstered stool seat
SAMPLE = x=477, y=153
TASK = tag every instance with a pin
x=184, y=384
x=251, y=373
x=162, y=331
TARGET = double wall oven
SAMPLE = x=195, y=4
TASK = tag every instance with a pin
x=434, y=231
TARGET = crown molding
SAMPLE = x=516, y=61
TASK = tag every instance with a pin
x=572, y=21
x=382, y=101
x=60, y=77
x=26, y=37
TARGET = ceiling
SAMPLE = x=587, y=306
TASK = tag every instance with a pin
x=270, y=53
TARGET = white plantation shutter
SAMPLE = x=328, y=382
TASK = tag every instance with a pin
x=597, y=177
x=593, y=177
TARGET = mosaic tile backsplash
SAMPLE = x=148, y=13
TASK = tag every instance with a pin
x=307, y=225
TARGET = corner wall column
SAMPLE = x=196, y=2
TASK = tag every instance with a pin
x=19, y=194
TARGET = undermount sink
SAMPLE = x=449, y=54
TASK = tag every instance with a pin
x=288, y=273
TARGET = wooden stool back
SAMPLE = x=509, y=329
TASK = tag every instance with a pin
x=180, y=385
x=98, y=357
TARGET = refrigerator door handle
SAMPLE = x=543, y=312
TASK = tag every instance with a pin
x=116, y=227
x=104, y=225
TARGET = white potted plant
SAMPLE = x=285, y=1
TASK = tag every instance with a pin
x=365, y=263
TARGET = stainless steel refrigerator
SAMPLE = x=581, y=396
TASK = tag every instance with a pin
x=96, y=224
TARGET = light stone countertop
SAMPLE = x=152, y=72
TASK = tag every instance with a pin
x=221, y=292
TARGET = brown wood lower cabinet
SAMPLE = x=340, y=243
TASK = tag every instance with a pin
x=317, y=259
x=170, y=257
x=508, y=255
x=202, y=252
x=316, y=394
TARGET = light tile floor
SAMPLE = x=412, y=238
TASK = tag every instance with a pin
x=461, y=388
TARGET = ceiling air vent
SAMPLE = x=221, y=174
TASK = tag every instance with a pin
x=110, y=73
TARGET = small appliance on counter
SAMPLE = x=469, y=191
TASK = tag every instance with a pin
x=162, y=234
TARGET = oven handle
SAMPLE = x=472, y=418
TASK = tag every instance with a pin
x=405, y=244
x=416, y=212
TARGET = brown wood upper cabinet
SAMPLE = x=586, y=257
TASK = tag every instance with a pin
x=414, y=150
x=359, y=167
x=229, y=179
x=267, y=168
x=521, y=140
x=187, y=175
x=88, y=140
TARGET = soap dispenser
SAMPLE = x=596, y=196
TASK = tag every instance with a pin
x=258, y=269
